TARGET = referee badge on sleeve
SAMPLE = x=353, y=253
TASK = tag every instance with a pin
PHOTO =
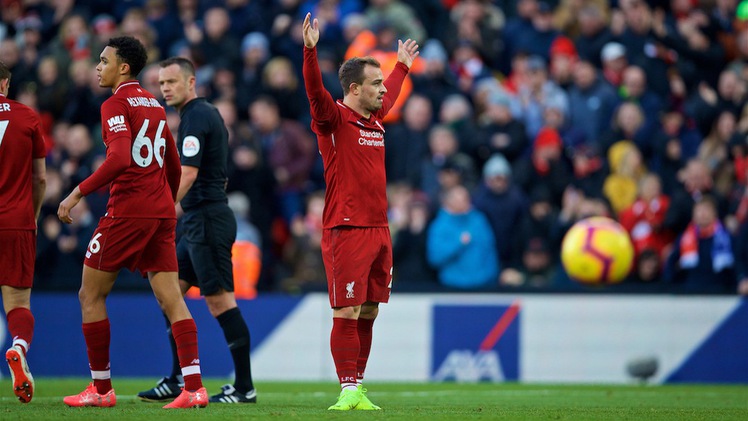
x=190, y=146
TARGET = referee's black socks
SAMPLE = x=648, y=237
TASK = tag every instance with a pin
x=237, y=337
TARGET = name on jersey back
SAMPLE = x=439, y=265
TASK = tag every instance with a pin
x=140, y=101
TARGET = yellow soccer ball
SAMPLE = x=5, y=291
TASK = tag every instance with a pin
x=597, y=250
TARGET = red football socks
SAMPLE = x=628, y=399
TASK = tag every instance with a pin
x=97, y=336
x=185, y=336
x=364, y=340
x=21, y=327
x=345, y=346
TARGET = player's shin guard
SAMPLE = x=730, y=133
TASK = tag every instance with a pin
x=97, y=335
x=345, y=346
x=185, y=336
x=364, y=328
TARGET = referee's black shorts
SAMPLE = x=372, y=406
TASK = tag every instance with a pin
x=204, y=250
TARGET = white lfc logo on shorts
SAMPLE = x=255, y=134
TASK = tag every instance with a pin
x=349, y=289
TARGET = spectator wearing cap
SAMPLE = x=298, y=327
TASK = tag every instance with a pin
x=437, y=81
x=614, y=62
x=503, y=203
x=589, y=168
x=255, y=54
x=537, y=93
x=591, y=102
x=542, y=33
x=500, y=132
x=460, y=244
x=626, y=171
x=547, y=165
x=594, y=32
x=564, y=57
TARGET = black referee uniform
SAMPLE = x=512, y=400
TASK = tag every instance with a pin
x=208, y=224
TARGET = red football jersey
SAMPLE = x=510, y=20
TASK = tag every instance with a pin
x=21, y=142
x=142, y=162
x=352, y=149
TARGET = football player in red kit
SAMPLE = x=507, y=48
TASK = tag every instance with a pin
x=139, y=228
x=356, y=243
x=22, y=185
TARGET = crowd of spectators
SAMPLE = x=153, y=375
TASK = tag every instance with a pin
x=519, y=118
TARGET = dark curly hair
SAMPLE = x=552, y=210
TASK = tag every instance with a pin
x=130, y=51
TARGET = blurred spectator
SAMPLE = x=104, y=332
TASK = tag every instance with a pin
x=247, y=16
x=590, y=169
x=456, y=113
x=705, y=103
x=644, y=218
x=460, y=244
x=409, y=244
x=281, y=82
x=714, y=151
x=547, y=165
x=642, y=47
x=303, y=253
x=591, y=102
x=627, y=124
x=218, y=46
x=443, y=148
x=500, y=132
x=289, y=150
x=478, y=23
x=535, y=255
x=52, y=89
x=702, y=259
x=563, y=58
x=399, y=15
x=331, y=15
x=594, y=32
x=694, y=182
x=503, y=203
x=468, y=66
x=614, y=62
x=647, y=268
x=626, y=171
x=407, y=141
x=437, y=81
x=674, y=145
x=541, y=34
x=165, y=22
x=516, y=28
x=255, y=49
x=534, y=96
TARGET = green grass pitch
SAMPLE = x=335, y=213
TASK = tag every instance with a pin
x=405, y=401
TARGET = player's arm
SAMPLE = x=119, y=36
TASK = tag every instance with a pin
x=189, y=175
x=325, y=117
x=406, y=53
x=38, y=183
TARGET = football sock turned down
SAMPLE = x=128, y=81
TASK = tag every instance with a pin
x=345, y=350
x=364, y=339
x=21, y=327
x=97, y=335
x=176, y=370
x=185, y=336
x=237, y=337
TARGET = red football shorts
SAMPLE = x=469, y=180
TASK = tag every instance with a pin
x=143, y=244
x=358, y=263
x=17, y=255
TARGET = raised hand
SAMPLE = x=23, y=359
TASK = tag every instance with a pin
x=407, y=51
x=311, y=31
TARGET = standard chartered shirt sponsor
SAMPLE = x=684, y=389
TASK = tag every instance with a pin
x=371, y=138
